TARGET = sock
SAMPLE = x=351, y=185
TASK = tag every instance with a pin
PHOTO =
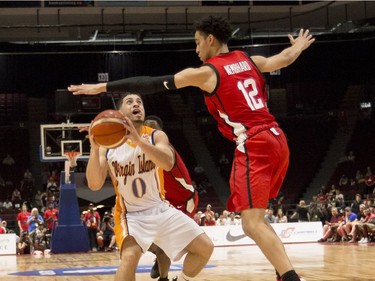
x=290, y=275
x=183, y=277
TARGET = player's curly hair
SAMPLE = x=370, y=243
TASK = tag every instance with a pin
x=215, y=25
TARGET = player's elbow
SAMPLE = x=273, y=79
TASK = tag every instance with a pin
x=95, y=185
x=168, y=165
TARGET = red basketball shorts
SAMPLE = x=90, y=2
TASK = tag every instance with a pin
x=259, y=168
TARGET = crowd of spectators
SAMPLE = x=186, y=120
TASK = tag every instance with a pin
x=345, y=207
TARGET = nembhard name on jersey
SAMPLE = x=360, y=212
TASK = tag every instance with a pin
x=237, y=67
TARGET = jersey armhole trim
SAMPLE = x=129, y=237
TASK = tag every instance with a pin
x=217, y=79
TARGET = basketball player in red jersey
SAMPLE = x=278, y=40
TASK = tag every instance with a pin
x=178, y=186
x=235, y=96
x=179, y=192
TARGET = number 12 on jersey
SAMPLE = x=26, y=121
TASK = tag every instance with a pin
x=250, y=91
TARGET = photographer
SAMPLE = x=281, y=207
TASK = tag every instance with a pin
x=38, y=238
x=107, y=231
x=34, y=219
x=24, y=244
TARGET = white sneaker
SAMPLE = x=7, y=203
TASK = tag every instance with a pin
x=365, y=240
x=361, y=241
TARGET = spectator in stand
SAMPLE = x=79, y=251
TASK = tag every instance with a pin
x=8, y=163
x=209, y=211
x=369, y=181
x=226, y=214
x=232, y=219
x=368, y=172
x=351, y=156
x=197, y=218
x=359, y=177
x=334, y=190
x=50, y=217
x=8, y=205
x=22, y=218
x=16, y=197
x=2, y=229
x=368, y=226
x=44, y=177
x=92, y=219
x=340, y=202
x=221, y=220
x=356, y=227
x=330, y=227
x=52, y=185
x=349, y=217
x=343, y=181
x=302, y=212
x=4, y=225
x=368, y=201
x=315, y=211
x=28, y=176
x=54, y=177
x=269, y=217
x=209, y=220
x=34, y=219
x=39, y=200
x=280, y=216
x=356, y=203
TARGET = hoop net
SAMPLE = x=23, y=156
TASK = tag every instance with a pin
x=71, y=162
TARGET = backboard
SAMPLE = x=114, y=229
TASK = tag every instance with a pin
x=57, y=139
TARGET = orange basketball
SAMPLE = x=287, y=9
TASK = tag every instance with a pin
x=108, y=128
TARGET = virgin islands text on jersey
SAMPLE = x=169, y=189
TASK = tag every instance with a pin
x=129, y=169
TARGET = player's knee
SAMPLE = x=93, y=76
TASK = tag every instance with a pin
x=207, y=247
x=250, y=228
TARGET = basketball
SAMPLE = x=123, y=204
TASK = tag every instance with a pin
x=108, y=129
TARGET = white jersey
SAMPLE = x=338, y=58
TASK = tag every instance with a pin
x=136, y=177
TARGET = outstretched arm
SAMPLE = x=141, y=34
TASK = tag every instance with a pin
x=138, y=84
x=202, y=77
x=288, y=55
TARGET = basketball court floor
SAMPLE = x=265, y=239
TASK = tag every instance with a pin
x=314, y=261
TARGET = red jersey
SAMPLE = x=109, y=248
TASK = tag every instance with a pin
x=50, y=216
x=178, y=187
x=92, y=219
x=22, y=218
x=239, y=102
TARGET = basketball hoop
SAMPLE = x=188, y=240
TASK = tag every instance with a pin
x=70, y=163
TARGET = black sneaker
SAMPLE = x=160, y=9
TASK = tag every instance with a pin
x=174, y=278
x=155, y=270
x=163, y=279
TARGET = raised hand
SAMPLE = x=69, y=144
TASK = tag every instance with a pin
x=304, y=39
x=88, y=89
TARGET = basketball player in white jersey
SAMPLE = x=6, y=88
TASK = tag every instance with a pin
x=141, y=216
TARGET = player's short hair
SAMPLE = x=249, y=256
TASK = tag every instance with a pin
x=124, y=95
x=218, y=26
x=155, y=118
